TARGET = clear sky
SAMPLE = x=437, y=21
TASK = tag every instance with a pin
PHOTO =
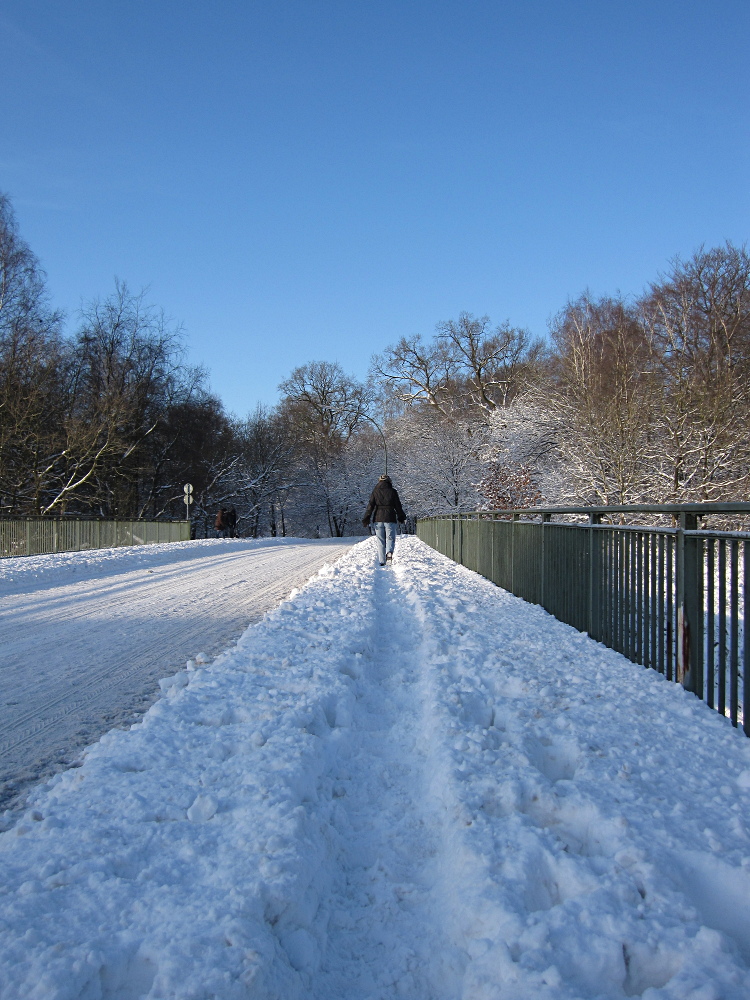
x=300, y=180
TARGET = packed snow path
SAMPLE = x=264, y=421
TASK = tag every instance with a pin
x=385, y=937
x=401, y=783
x=85, y=637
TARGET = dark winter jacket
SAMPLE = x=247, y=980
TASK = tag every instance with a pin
x=384, y=504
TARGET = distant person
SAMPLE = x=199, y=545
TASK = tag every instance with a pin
x=221, y=524
x=385, y=509
x=232, y=522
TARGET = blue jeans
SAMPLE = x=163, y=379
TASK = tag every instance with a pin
x=385, y=533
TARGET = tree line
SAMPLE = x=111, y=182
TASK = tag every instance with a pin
x=629, y=400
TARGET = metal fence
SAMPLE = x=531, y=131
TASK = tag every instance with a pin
x=39, y=536
x=670, y=596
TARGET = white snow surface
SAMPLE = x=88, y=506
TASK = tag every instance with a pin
x=402, y=782
x=85, y=637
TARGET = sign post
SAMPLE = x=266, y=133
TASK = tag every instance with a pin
x=188, y=498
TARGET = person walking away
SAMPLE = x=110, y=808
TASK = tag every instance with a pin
x=232, y=522
x=221, y=524
x=385, y=509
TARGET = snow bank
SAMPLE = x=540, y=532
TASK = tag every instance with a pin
x=400, y=783
x=600, y=817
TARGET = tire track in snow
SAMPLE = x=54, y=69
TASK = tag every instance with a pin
x=385, y=936
x=98, y=682
x=82, y=657
x=69, y=619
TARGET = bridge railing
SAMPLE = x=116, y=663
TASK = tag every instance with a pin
x=669, y=595
x=39, y=536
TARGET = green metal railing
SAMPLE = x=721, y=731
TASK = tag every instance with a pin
x=670, y=596
x=40, y=536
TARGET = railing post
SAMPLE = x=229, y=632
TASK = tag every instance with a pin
x=493, y=519
x=694, y=604
x=593, y=595
x=683, y=636
x=689, y=586
x=545, y=520
x=514, y=518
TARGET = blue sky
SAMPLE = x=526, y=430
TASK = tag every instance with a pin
x=313, y=179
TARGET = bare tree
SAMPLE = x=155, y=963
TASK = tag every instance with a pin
x=466, y=367
x=698, y=323
x=322, y=408
x=30, y=363
x=493, y=364
x=506, y=486
x=523, y=445
x=259, y=482
x=438, y=463
x=325, y=404
x=124, y=370
x=417, y=373
x=602, y=397
x=194, y=442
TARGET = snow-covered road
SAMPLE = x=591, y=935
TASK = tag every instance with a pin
x=85, y=637
x=400, y=783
